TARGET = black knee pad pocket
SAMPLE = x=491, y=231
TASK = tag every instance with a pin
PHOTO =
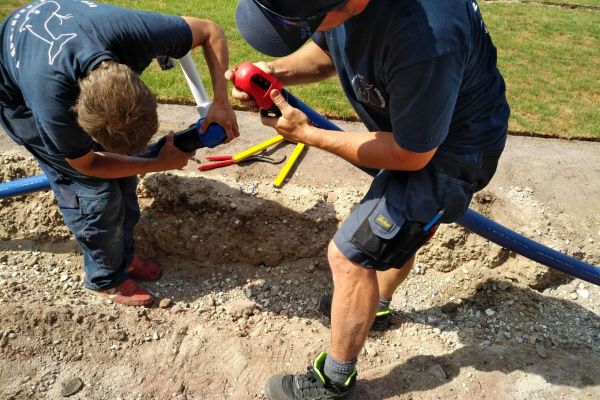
x=392, y=250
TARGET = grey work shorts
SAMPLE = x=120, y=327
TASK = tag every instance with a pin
x=385, y=229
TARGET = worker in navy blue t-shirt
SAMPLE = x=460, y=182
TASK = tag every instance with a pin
x=422, y=76
x=71, y=94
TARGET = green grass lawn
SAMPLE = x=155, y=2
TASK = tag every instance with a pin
x=592, y=3
x=550, y=57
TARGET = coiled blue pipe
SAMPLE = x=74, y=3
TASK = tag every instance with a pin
x=471, y=220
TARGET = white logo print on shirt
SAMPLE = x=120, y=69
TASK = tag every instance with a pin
x=37, y=20
x=367, y=92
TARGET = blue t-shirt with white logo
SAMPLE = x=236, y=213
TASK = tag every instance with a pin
x=47, y=46
x=424, y=70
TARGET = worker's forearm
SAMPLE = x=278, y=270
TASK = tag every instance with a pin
x=217, y=59
x=211, y=37
x=309, y=64
x=368, y=149
x=111, y=165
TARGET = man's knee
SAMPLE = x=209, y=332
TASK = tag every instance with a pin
x=341, y=266
x=334, y=256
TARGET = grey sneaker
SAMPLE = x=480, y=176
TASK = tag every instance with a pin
x=313, y=385
x=382, y=317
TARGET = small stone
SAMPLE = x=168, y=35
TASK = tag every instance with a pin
x=332, y=197
x=583, y=293
x=71, y=387
x=541, y=350
x=155, y=336
x=489, y=312
x=177, y=308
x=77, y=318
x=438, y=372
x=449, y=308
x=532, y=339
x=211, y=302
x=369, y=351
x=310, y=269
x=165, y=303
x=573, y=296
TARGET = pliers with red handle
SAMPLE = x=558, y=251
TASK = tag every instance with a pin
x=249, y=154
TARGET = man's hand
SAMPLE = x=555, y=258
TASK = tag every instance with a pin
x=292, y=124
x=170, y=157
x=221, y=113
x=242, y=96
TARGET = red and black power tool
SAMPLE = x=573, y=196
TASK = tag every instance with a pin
x=258, y=84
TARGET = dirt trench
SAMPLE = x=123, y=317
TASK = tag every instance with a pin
x=245, y=265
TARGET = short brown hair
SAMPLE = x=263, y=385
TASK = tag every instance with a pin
x=116, y=108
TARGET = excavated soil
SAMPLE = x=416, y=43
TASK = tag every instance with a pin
x=244, y=267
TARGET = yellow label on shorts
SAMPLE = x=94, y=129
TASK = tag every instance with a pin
x=383, y=222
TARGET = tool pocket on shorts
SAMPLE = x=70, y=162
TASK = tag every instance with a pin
x=374, y=235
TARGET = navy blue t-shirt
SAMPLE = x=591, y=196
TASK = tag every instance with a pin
x=47, y=46
x=424, y=70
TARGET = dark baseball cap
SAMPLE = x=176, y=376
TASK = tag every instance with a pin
x=279, y=27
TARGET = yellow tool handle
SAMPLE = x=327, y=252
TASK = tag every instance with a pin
x=289, y=164
x=255, y=149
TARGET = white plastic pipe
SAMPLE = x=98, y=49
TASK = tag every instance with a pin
x=195, y=83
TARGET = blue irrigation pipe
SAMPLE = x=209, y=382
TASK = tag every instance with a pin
x=533, y=250
x=23, y=186
x=471, y=220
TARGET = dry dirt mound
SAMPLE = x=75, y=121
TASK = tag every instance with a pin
x=244, y=268
x=33, y=217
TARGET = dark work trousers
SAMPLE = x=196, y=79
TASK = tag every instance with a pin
x=100, y=213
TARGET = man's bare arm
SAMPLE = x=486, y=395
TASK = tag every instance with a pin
x=112, y=165
x=368, y=149
x=211, y=37
x=308, y=64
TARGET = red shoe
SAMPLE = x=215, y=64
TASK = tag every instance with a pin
x=128, y=293
x=143, y=270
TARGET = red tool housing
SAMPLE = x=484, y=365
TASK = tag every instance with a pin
x=257, y=83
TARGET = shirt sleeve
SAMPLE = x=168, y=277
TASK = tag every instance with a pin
x=422, y=100
x=135, y=38
x=169, y=35
x=319, y=39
